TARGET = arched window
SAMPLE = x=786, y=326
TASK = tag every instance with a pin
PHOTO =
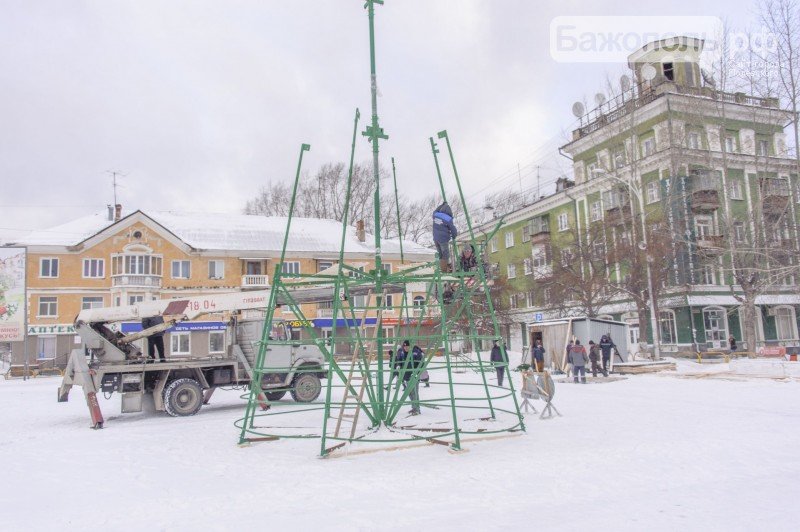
x=669, y=334
x=785, y=324
x=419, y=301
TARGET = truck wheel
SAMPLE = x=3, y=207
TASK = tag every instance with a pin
x=183, y=397
x=275, y=396
x=306, y=387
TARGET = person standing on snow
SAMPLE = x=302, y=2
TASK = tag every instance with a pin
x=443, y=232
x=606, y=345
x=537, y=356
x=594, y=357
x=499, y=362
x=577, y=357
x=408, y=364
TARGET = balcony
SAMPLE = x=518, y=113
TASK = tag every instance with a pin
x=540, y=230
x=136, y=281
x=775, y=197
x=710, y=245
x=705, y=192
x=255, y=281
x=623, y=105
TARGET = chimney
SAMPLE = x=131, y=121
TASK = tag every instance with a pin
x=360, y=232
x=110, y=213
x=117, y=212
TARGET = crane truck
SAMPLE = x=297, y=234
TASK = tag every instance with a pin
x=108, y=361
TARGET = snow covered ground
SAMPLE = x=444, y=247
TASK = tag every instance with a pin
x=650, y=452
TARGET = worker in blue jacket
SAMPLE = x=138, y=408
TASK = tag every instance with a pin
x=443, y=232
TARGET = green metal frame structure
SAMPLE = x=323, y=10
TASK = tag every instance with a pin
x=363, y=393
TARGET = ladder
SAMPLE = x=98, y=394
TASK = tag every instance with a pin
x=358, y=380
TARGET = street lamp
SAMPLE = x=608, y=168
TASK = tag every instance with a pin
x=636, y=191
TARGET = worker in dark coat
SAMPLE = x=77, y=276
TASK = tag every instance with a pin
x=408, y=364
x=606, y=345
x=594, y=357
x=156, y=340
x=537, y=356
x=443, y=232
x=577, y=357
x=499, y=361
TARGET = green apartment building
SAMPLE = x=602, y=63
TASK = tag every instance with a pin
x=677, y=175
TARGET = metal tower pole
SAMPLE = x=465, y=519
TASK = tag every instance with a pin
x=435, y=151
x=375, y=133
x=397, y=206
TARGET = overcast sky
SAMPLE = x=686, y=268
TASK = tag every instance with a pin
x=200, y=103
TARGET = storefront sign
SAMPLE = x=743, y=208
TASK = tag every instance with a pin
x=57, y=328
x=328, y=322
x=12, y=294
x=132, y=327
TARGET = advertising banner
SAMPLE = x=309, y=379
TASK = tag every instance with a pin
x=12, y=294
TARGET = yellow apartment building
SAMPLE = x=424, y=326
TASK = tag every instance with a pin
x=111, y=259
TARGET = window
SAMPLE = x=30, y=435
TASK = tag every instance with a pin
x=619, y=159
x=216, y=269
x=693, y=140
x=785, y=323
x=359, y=302
x=598, y=250
x=132, y=300
x=763, y=147
x=738, y=231
x=252, y=267
x=387, y=268
x=181, y=269
x=294, y=334
x=539, y=255
x=730, y=144
x=512, y=270
x=48, y=267
x=91, y=302
x=653, y=192
x=512, y=301
x=669, y=333
x=648, y=146
x=388, y=332
x=136, y=265
x=293, y=267
x=509, y=239
x=528, y=265
x=46, y=347
x=419, y=301
x=389, y=301
x=530, y=300
x=526, y=233
x=566, y=257
x=546, y=296
x=669, y=71
x=180, y=343
x=48, y=306
x=94, y=268
x=563, y=222
x=709, y=276
x=596, y=211
x=735, y=189
x=702, y=227
x=591, y=170
x=216, y=342
x=324, y=265
x=493, y=244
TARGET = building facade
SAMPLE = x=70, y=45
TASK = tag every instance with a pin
x=675, y=179
x=111, y=260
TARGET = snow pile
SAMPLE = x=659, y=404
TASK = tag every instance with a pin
x=650, y=452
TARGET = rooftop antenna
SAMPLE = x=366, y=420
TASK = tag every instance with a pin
x=114, y=184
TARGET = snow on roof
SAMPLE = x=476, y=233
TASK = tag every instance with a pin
x=67, y=234
x=232, y=232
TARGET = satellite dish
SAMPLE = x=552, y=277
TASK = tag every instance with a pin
x=578, y=109
x=599, y=99
x=625, y=83
x=648, y=72
x=642, y=245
